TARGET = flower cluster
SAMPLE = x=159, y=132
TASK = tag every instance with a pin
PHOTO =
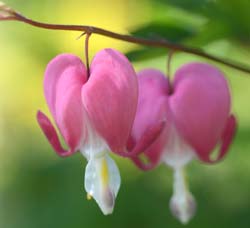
x=115, y=109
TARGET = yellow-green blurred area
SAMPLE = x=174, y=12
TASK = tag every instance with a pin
x=39, y=189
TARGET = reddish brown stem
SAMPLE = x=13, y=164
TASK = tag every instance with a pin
x=169, y=60
x=147, y=42
x=87, y=52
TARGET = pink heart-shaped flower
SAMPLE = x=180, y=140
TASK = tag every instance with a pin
x=93, y=114
x=200, y=106
x=196, y=108
x=106, y=103
x=196, y=112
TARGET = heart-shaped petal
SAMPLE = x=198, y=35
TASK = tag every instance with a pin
x=152, y=110
x=64, y=78
x=110, y=97
x=200, y=105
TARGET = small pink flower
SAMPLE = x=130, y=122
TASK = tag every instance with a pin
x=196, y=109
x=93, y=115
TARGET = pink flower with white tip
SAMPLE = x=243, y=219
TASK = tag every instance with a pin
x=196, y=109
x=94, y=115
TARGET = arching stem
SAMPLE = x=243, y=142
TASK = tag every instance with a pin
x=6, y=13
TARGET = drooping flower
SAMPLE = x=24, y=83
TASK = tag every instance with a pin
x=196, y=109
x=94, y=115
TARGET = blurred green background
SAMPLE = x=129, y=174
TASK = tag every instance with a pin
x=39, y=189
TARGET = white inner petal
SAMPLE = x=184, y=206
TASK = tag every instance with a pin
x=177, y=152
x=182, y=203
x=94, y=145
x=102, y=182
x=102, y=177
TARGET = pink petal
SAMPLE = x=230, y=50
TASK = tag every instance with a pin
x=228, y=135
x=200, y=105
x=51, y=135
x=152, y=148
x=226, y=140
x=152, y=110
x=64, y=78
x=149, y=137
x=110, y=97
x=53, y=73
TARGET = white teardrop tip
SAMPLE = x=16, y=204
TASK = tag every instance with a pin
x=183, y=207
x=102, y=182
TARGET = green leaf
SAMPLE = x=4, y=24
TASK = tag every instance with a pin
x=171, y=32
x=145, y=53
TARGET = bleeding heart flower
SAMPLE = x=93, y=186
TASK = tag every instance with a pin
x=93, y=115
x=196, y=109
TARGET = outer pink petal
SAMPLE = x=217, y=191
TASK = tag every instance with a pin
x=53, y=73
x=148, y=138
x=51, y=135
x=225, y=141
x=64, y=78
x=110, y=97
x=152, y=109
x=200, y=105
x=228, y=136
